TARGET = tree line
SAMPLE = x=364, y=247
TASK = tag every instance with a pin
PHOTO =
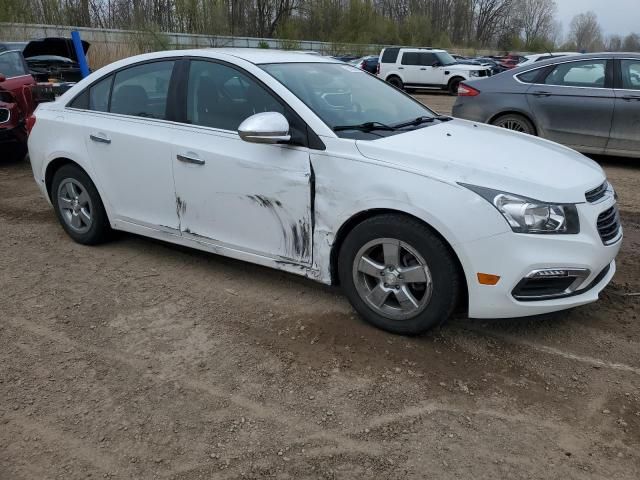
x=509, y=25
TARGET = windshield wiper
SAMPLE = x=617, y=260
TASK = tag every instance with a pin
x=415, y=122
x=421, y=120
x=365, y=127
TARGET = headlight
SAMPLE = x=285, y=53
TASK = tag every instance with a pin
x=474, y=73
x=526, y=215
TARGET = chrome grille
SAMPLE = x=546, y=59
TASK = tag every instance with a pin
x=5, y=114
x=597, y=193
x=609, y=225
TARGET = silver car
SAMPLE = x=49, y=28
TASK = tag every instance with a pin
x=589, y=102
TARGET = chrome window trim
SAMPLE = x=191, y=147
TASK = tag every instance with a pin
x=555, y=65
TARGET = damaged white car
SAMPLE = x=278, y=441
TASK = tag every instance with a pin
x=311, y=166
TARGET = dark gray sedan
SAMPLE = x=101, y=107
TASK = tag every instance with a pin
x=589, y=102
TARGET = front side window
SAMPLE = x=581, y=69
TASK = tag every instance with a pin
x=428, y=59
x=630, y=74
x=142, y=90
x=219, y=96
x=342, y=95
x=12, y=64
x=587, y=73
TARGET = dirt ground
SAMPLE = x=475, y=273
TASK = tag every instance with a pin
x=140, y=360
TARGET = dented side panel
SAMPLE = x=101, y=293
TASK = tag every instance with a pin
x=251, y=197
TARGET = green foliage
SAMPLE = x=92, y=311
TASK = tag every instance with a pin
x=289, y=44
x=263, y=44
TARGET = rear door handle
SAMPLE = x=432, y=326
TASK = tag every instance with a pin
x=423, y=68
x=187, y=159
x=630, y=98
x=541, y=94
x=100, y=138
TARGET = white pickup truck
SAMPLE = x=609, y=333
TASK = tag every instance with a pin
x=426, y=68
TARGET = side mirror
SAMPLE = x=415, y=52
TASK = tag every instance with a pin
x=2, y=78
x=267, y=127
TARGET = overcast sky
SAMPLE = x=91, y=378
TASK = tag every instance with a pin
x=615, y=16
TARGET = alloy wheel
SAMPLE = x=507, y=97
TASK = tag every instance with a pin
x=392, y=278
x=75, y=205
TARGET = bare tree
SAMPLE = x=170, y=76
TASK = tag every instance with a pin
x=537, y=18
x=489, y=16
x=585, y=32
x=631, y=43
x=614, y=43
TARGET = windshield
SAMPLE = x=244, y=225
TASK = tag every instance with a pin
x=343, y=95
x=445, y=58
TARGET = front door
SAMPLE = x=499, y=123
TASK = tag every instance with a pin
x=129, y=142
x=574, y=104
x=249, y=198
x=625, y=133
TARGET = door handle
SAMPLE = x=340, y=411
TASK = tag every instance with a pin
x=423, y=68
x=100, y=139
x=186, y=159
x=630, y=98
x=400, y=68
x=541, y=94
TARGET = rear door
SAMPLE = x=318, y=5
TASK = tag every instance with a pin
x=410, y=68
x=126, y=128
x=625, y=133
x=574, y=103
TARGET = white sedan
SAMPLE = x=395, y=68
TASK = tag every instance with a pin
x=312, y=166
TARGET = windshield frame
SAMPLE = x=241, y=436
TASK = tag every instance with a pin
x=428, y=110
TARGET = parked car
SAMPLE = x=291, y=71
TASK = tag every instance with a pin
x=369, y=63
x=345, y=58
x=242, y=153
x=426, y=68
x=16, y=104
x=50, y=59
x=495, y=66
x=578, y=101
x=540, y=57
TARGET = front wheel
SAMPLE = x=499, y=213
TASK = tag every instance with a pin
x=398, y=274
x=453, y=86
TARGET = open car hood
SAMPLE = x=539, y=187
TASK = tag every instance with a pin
x=61, y=47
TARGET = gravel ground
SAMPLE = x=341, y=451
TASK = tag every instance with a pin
x=138, y=359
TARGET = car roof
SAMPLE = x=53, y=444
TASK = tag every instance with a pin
x=263, y=55
x=567, y=58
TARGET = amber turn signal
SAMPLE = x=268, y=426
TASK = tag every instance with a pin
x=488, y=279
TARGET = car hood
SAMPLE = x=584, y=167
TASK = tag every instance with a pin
x=492, y=157
x=60, y=47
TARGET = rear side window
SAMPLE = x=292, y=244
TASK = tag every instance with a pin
x=410, y=58
x=142, y=90
x=588, y=73
x=530, y=77
x=96, y=97
x=390, y=55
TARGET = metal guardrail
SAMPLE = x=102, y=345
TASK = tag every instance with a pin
x=22, y=31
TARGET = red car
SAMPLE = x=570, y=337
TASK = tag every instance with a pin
x=16, y=104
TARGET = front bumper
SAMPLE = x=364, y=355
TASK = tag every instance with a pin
x=514, y=256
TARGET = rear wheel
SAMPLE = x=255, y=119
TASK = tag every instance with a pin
x=78, y=206
x=398, y=274
x=396, y=82
x=515, y=122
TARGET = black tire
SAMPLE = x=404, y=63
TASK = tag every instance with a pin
x=99, y=229
x=14, y=152
x=396, y=82
x=515, y=122
x=441, y=264
x=453, y=86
